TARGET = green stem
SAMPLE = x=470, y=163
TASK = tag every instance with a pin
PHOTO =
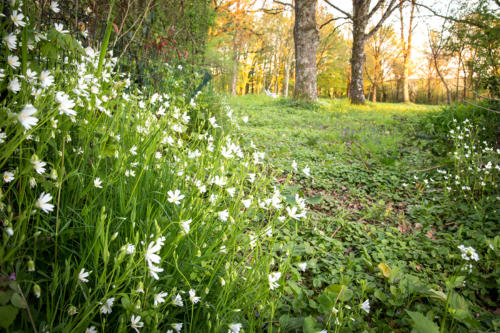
x=24, y=49
x=105, y=42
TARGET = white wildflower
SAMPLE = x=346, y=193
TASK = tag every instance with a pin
x=106, y=307
x=192, y=296
x=160, y=298
x=8, y=176
x=273, y=278
x=136, y=323
x=82, y=276
x=43, y=202
x=25, y=117
x=175, y=197
x=366, y=306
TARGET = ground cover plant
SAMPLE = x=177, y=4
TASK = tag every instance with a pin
x=393, y=242
x=124, y=208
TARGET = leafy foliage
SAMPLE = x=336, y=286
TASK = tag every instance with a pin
x=380, y=229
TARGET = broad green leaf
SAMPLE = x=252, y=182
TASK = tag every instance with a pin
x=289, y=323
x=18, y=301
x=308, y=325
x=422, y=324
x=340, y=291
x=7, y=315
x=5, y=296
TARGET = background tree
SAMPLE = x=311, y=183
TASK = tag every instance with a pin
x=361, y=14
x=381, y=49
x=438, y=54
x=406, y=45
x=306, y=37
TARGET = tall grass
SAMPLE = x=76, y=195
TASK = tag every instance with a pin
x=118, y=210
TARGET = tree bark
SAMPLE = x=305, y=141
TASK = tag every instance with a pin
x=448, y=93
x=406, y=48
x=234, y=77
x=306, y=38
x=287, y=78
x=358, y=58
x=360, y=16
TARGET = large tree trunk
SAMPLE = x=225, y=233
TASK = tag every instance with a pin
x=306, y=37
x=358, y=58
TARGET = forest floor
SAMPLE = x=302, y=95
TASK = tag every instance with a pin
x=369, y=210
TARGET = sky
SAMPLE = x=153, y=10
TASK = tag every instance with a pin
x=424, y=22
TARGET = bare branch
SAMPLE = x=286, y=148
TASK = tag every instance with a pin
x=340, y=10
x=283, y=3
x=393, y=5
x=332, y=20
x=451, y=18
x=375, y=8
x=481, y=107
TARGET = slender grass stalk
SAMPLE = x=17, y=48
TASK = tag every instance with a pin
x=105, y=42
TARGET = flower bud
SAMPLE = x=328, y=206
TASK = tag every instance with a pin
x=31, y=266
x=72, y=310
x=37, y=290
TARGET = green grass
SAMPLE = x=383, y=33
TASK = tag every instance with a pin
x=367, y=208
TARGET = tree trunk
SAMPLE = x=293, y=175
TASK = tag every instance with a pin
x=374, y=92
x=358, y=58
x=287, y=79
x=306, y=37
x=448, y=93
x=429, y=90
x=234, y=77
x=405, y=82
x=406, y=46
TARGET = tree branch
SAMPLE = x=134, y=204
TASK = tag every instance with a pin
x=393, y=5
x=451, y=18
x=332, y=20
x=375, y=8
x=283, y=3
x=340, y=10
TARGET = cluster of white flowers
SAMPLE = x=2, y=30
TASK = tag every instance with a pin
x=59, y=104
x=468, y=253
x=476, y=164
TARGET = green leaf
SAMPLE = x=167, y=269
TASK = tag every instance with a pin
x=5, y=296
x=422, y=324
x=18, y=301
x=289, y=323
x=343, y=292
x=7, y=315
x=126, y=303
x=314, y=200
x=308, y=325
x=386, y=270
